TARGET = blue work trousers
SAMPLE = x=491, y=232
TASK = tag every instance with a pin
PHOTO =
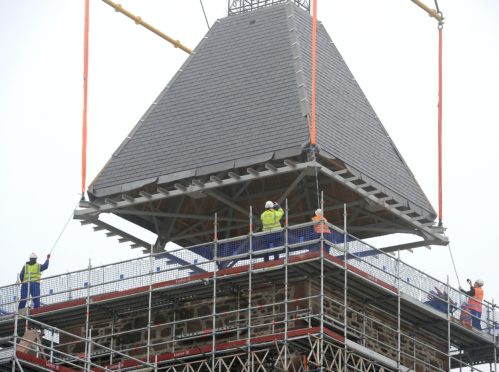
x=475, y=318
x=34, y=291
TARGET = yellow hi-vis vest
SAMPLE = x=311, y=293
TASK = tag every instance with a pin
x=270, y=219
x=32, y=273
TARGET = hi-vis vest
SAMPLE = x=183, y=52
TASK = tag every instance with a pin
x=320, y=226
x=32, y=273
x=270, y=219
x=475, y=302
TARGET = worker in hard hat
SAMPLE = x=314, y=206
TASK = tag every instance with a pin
x=271, y=217
x=30, y=276
x=271, y=220
x=320, y=226
x=475, y=299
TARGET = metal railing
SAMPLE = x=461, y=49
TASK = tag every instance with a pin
x=182, y=263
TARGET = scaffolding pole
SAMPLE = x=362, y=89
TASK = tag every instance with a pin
x=286, y=280
x=448, y=324
x=214, y=300
x=149, y=315
x=345, y=289
x=16, y=319
x=321, y=346
x=87, y=319
x=399, y=362
x=494, y=337
x=250, y=290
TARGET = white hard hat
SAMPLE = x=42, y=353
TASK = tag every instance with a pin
x=479, y=282
x=318, y=212
x=33, y=255
x=269, y=204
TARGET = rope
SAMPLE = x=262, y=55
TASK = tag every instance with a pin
x=436, y=7
x=64, y=228
x=85, y=94
x=205, y=18
x=314, y=74
x=454, y=265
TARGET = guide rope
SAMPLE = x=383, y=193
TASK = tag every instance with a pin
x=64, y=228
x=454, y=265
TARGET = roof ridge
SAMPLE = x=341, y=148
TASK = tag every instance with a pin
x=296, y=49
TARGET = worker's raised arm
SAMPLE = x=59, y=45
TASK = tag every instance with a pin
x=45, y=265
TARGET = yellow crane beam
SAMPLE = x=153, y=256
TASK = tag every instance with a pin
x=431, y=12
x=139, y=21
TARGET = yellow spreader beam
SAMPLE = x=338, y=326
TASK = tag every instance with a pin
x=139, y=21
x=431, y=12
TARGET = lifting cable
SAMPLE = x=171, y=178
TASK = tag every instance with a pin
x=438, y=15
x=440, y=27
x=85, y=94
x=205, y=18
x=313, y=81
x=440, y=103
x=454, y=265
x=314, y=68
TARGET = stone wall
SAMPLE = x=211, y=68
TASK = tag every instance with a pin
x=376, y=329
x=187, y=324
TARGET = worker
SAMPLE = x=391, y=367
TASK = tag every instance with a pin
x=321, y=226
x=30, y=276
x=271, y=218
x=474, y=305
x=441, y=301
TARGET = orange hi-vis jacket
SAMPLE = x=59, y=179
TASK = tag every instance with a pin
x=475, y=302
x=320, y=226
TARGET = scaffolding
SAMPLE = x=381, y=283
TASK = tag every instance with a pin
x=291, y=300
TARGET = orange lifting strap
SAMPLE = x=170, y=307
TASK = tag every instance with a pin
x=85, y=93
x=314, y=63
x=440, y=212
x=437, y=14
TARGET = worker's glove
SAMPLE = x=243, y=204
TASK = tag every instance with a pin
x=277, y=206
x=469, y=281
x=48, y=256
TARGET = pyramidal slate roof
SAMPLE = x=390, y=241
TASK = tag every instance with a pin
x=243, y=97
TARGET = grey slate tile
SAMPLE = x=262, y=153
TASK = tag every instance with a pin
x=252, y=80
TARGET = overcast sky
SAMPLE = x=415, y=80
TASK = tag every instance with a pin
x=390, y=46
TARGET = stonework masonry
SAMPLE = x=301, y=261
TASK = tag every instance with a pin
x=187, y=323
